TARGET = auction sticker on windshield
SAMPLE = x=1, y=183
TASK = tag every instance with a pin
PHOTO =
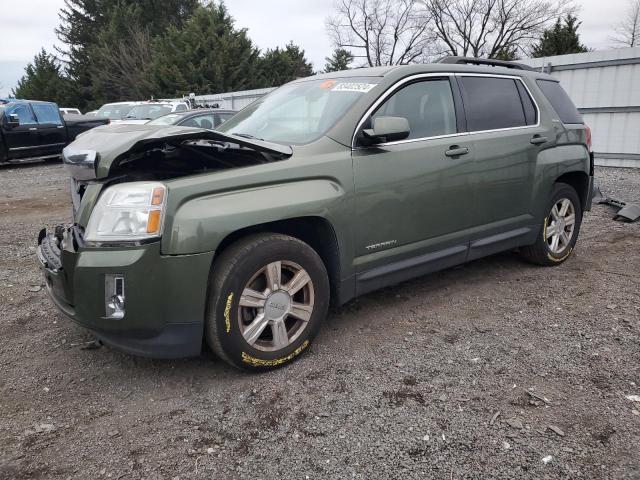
x=353, y=87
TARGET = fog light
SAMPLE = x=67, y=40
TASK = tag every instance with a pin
x=114, y=296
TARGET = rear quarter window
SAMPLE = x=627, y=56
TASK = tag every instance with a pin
x=560, y=101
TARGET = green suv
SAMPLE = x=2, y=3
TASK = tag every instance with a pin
x=328, y=188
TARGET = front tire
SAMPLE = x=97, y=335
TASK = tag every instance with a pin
x=560, y=228
x=269, y=294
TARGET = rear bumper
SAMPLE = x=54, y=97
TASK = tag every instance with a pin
x=165, y=296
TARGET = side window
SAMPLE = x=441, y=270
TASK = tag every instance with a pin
x=25, y=115
x=492, y=103
x=202, y=121
x=47, y=113
x=205, y=121
x=181, y=108
x=560, y=101
x=222, y=117
x=190, y=122
x=427, y=105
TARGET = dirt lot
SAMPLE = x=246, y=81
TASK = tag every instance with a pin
x=428, y=379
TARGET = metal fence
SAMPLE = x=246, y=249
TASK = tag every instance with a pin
x=233, y=100
x=605, y=86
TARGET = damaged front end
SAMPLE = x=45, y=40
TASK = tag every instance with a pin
x=133, y=153
x=164, y=151
x=55, y=250
x=120, y=153
x=106, y=270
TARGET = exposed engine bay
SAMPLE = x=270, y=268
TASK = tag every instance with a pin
x=172, y=160
x=157, y=152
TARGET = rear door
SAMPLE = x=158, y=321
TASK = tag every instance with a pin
x=51, y=130
x=22, y=141
x=413, y=201
x=503, y=121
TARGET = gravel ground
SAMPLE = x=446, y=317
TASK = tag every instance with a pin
x=428, y=379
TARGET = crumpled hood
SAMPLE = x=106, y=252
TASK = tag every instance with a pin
x=100, y=147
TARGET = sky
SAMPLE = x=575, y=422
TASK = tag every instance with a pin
x=28, y=25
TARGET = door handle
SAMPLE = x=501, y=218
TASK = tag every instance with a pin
x=33, y=129
x=60, y=126
x=538, y=140
x=456, y=151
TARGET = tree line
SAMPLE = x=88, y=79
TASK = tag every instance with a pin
x=134, y=49
x=116, y=50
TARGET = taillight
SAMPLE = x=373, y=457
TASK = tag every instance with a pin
x=589, y=142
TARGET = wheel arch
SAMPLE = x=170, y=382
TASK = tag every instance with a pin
x=579, y=180
x=317, y=232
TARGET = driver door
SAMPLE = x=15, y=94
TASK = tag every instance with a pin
x=22, y=140
x=414, y=197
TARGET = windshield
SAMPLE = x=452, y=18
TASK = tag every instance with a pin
x=114, y=111
x=299, y=113
x=166, y=120
x=148, y=112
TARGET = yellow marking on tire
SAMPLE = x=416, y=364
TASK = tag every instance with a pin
x=227, y=313
x=258, y=362
x=558, y=260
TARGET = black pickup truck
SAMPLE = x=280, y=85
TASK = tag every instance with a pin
x=36, y=130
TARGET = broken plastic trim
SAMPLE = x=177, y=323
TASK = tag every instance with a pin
x=626, y=212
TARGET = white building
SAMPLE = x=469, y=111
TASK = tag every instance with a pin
x=605, y=86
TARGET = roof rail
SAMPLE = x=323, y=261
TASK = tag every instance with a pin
x=483, y=61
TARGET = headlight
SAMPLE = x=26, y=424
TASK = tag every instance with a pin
x=128, y=212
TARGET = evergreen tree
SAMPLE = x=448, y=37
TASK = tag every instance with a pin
x=508, y=53
x=43, y=80
x=87, y=24
x=206, y=55
x=340, y=60
x=121, y=56
x=282, y=65
x=561, y=39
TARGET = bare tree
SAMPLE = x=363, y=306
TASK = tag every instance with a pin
x=382, y=32
x=628, y=30
x=489, y=28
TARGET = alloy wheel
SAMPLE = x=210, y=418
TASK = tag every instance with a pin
x=276, y=306
x=560, y=226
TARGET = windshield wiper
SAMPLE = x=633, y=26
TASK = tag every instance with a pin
x=246, y=135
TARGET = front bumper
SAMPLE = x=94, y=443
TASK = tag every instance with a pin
x=165, y=296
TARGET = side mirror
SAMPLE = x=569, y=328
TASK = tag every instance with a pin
x=14, y=120
x=387, y=129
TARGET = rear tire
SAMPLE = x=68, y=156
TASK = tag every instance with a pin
x=269, y=294
x=560, y=228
